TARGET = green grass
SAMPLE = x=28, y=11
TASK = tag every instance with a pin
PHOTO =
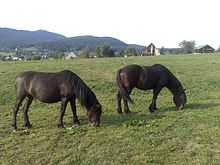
x=7, y=53
x=191, y=136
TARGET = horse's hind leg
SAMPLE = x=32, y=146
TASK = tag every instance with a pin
x=126, y=108
x=118, y=102
x=26, y=118
x=64, y=102
x=73, y=107
x=18, y=103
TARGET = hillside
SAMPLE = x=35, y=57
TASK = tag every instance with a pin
x=79, y=42
x=11, y=38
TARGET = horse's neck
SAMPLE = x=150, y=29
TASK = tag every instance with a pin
x=85, y=95
x=174, y=86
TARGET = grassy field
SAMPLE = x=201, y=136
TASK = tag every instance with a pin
x=191, y=136
x=7, y=54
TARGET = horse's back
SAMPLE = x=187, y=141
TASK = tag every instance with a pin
x=144, y=77
x=45, y=86
x=129, y=75
x=23, y=78
x=41, y=76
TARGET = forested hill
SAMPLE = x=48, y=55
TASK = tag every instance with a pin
x=41, y=39
x=80, y=42
x=11, y=38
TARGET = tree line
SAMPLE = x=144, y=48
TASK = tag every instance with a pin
x=106, y=51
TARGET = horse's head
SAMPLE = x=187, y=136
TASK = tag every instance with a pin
x=94, y=114
x=180, y=100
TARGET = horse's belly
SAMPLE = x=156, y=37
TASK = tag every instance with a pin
x=144, y=86
x=47, y=96
x=49, y=100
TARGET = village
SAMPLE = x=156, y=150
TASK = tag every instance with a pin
x=150, y=50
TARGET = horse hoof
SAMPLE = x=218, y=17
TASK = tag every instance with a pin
x=14, y=127
x=60, y=126
x=28, y=126
x=152, y=110
x=119, y=111
x=76, y=122
x=127, y=111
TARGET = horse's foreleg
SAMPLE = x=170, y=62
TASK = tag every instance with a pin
x=153, y=105
x=64, y=102
x=73, y=107
x=26, y=118
x=118, y=102
x=15, y=111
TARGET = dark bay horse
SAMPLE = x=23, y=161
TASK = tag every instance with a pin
x=148, y=77
x=64, y=86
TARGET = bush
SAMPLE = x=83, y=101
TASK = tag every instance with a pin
x=36, y=58
x=57, y=55
x=105, y=51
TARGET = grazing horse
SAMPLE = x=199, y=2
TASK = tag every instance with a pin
x=64, y=86
x=147, y=77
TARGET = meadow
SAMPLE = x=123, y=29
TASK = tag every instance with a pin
x=7, y=53
x=190, y=136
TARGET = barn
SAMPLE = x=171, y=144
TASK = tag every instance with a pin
x=204, y=49
x=151, y=50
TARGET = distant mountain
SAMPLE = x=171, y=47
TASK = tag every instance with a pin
x=79, y=42
x=11, y=38
x=134, y=46
x=41, y=39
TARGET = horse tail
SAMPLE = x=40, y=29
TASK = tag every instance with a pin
x=122, y=89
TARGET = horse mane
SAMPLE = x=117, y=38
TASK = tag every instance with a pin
x=84, y=94
x=174, y=84
x=177, y=87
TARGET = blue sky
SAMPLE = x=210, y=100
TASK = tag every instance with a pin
x=163, y=22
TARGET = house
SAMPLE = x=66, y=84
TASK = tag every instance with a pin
x=16, y=59
x=204, y=49
x=70, y=55
x=151, y=50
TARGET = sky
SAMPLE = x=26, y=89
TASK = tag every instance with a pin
x=163, y=22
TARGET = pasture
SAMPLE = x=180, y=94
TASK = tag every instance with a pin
x=7, y=53
x=191, y=136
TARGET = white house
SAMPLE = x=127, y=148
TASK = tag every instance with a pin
x=70, y=55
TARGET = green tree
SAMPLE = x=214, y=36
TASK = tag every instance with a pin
x=36, y=57
x=129, y=52
x=84, y=53
x=57, y=55
x=218, y=50
x=187, y=46
x=104, y=51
